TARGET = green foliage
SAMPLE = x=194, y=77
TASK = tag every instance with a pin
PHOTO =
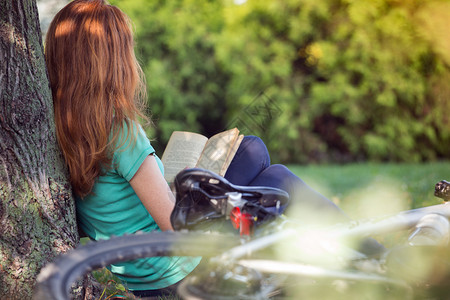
x=113, y=287
x=330, y=80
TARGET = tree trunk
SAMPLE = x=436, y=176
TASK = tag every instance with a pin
x=37, y=212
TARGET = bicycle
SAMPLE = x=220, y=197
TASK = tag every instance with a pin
x=237, y=229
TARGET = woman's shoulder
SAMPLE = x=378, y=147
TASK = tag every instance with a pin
x=131, y=148
x=128, y=134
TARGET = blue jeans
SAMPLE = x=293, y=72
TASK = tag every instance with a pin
x=251, y=166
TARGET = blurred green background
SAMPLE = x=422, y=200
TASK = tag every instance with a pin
x=320, y=81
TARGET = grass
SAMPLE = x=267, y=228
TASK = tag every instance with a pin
x=373, y=189
x=401, y=185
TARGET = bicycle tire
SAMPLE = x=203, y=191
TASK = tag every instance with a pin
x=55, y=279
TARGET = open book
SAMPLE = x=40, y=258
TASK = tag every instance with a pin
x=189, y=150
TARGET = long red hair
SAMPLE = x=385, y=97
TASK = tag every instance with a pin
x=95, y=81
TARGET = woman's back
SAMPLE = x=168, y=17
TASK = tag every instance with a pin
x=116, y=177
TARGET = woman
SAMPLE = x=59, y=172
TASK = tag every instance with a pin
x=95, y=81
x=115, y=174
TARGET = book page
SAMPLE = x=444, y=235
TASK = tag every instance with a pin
x=183, y=150
x=217, y=150
x=231, y=154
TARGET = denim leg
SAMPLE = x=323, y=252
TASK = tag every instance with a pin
x=251, y=166
x=309, y=207
x=251, y=158
x=306, y=204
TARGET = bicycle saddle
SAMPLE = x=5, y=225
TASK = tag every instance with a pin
x=202, y=198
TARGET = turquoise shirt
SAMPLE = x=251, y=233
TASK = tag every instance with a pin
x=113, y=208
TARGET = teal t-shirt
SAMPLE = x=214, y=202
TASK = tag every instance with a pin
x=113, y=208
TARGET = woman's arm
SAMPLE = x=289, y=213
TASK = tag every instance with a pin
x=152, y=189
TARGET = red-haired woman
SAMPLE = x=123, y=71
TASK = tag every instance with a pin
x=96, y=82
x=116, y=177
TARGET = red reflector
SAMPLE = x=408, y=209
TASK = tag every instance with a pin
x=235, y=217
x=247, y=222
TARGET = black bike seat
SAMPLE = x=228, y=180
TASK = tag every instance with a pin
x=201, y=196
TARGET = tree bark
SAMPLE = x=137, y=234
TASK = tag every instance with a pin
x=37, y=212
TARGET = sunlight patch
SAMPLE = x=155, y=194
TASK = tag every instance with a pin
x=378, y=198
x=64, y=28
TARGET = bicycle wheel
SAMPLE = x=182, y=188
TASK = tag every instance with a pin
x=55, y=280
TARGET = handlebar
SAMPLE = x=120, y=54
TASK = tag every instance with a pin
x=442, y=190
